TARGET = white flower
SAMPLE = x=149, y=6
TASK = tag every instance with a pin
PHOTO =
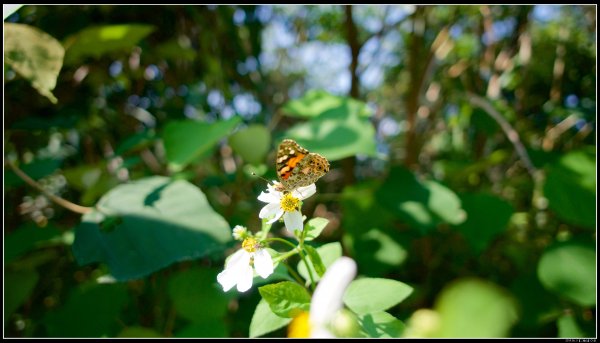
x=239, y=232
x=239, y=267
x=326, y=302
x=327, y=298
x=286, y=204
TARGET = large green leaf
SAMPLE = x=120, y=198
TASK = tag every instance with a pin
x=338, y=128
x=18, y=285
x=35, y=55
x=91, y=310
x=475, y=308
x=188, y=140
x=286, y=299
x=148, y=224
x=380, y=325
x=369, y=295
x=97, y=41
x=571, y=188
x=265, y=321
x=197, y=296
x=421, y=204
x=252, y=143
x=487, y=216
x=569, y=269
x=316, y=102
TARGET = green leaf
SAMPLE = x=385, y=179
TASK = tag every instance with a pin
x=252, y=143
x=420, y=204
x=487, y=216
x=138, y=332
x=568, y=269
x=35, y=55
x=368, y=295
x=475, y=308
x=18, y=285
x=286, y=299
x=205, y=328
x=571, y=188
x=341, y=129
x=328, y=252
x=188, y=140
x=26, y=239
x=315, y=259
x=91, y=310
x=197, y=296
x=97, y=41
x=380, y=325
x=317, y=102
x=568, y=327
x=265, y=321
x=314, y=227
x=162, y=221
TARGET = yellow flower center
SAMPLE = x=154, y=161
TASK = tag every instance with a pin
x=250, y=244
x=289, y=203
x=299, y=326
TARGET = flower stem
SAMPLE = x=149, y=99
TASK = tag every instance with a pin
x=310, y=274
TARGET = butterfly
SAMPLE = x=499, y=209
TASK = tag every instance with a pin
x=296, y=167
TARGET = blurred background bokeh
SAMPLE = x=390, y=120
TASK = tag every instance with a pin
x=462, y=143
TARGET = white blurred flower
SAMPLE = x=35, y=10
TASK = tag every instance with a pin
x=239, y=233
x=240, y=267
x=326, y=303
x=286, y=204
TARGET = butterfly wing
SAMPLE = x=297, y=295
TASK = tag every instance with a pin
x=289, y=156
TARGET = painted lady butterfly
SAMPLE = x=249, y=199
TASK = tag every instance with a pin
x=296, y=167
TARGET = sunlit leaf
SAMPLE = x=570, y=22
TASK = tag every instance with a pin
x=421, y=204
x=35, y=55
x=314, y=227
x=571, y=188
x=158, y=221
x=368, y=295
x=97, y=41
x=265, y=321
x=286, y=299
x=252, y=143
x=188, y=140
x=475, y=308
x=316, y=102
x=380, y=325
x=567, y=268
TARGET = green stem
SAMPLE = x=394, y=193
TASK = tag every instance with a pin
x=280, y=240
x=294, y=274
x=310, y=275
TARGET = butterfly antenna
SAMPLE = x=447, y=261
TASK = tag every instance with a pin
x=262, y=178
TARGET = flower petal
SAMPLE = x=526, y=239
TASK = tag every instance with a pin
x=269, y=197
x=305, y=192
x=263, y=263
x=269, y=210
x=327, y=298
x=234, y=264
x=245, y=276
x=293, y=220
x=277, y=216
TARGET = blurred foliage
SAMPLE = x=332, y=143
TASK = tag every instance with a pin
x=158, y=116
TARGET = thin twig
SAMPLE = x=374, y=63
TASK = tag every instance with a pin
x=56, y=199
x=509, y=131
